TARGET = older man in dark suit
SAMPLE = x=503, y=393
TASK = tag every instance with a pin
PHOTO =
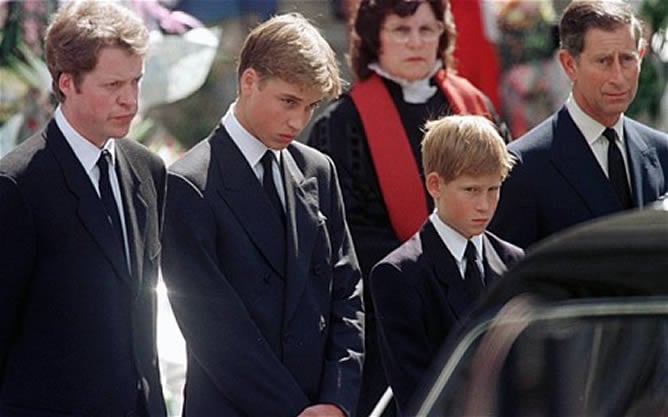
x=588, y=160
x=80, y=218
x=258, y=259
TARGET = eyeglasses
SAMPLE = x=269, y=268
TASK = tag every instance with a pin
x=426, y=33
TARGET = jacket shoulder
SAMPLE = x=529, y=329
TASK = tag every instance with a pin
x=309, y=159
x=508, y=251
x=655, y=136
x=140, y=153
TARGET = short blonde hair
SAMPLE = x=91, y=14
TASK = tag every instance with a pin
x=80, y=29
x=464, y=145
x=290, y=48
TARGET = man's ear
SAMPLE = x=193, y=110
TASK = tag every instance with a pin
x=66, y=84
x=643, y=48
x=568, y=64
x=433, y=183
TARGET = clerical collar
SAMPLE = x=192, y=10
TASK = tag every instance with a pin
x=414, y=92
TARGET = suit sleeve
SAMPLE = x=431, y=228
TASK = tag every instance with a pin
x=516, y=216
x=17, y=250
x=343, y=363
x=220, y=334
x=403, y=342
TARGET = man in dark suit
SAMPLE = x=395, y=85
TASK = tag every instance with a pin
x=587, y=160
x=258, y=259
x=426, y=286
x=80, y=218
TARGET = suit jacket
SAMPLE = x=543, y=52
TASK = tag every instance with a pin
x=557, y=181
x=419, y=295
x=77, y=328
x=271, y=327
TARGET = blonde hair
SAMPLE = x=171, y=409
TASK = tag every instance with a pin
x=458, y=145
x=290, y=48
x=80, y=29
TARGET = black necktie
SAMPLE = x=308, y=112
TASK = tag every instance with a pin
x=472, y=277
x=616, y=170
x=269, y=185
x=107, y=197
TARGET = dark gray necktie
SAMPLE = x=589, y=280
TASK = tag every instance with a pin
x=472, y=277
x=269, y=185
x=107, y=197
x=617, y=170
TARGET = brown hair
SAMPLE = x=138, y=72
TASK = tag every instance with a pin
x=80, y=29
x=582, y=15
x=368, y=20
x=291, y=49
x=464, y=144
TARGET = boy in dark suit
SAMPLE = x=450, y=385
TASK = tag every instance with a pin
x=258, y=259
x=80, y=218
x=424, y=287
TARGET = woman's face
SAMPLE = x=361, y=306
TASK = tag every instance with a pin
x=409, y=45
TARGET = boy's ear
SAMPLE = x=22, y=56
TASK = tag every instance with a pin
x=247, y=80
x=433, y=182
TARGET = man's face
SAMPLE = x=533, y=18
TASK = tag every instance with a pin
x=466, y=203
x=273, y=110
x=605, y=74
x=105, y=102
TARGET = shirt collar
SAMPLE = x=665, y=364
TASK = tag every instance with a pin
x=251, y=147
x=454, y=241
x=86, y=152
x=591, y=129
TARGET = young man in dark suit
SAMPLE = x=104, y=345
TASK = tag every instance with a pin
x=588, y=159
x=80, y=218
x=428, y=284
x=258, y=259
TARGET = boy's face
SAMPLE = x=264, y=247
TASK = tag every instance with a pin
x=466, y=203
x=273, y=110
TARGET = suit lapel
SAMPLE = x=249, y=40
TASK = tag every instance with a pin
x=445, y=269
x=90, y=209
x=494, y=265
x=644, y=166
x=135, y=209
x=572, y=156
x=303, y=222
x=241, y=190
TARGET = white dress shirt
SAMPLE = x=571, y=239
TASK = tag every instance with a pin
x=593, y=134
x=456, y=243
x=253, y=150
